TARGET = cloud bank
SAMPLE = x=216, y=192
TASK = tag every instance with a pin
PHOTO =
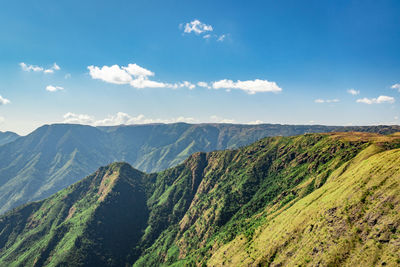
x=121, y=118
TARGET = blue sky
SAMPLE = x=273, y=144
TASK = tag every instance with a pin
x=290, y=62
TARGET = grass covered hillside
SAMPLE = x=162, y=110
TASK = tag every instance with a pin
x=93, y=222
x=353, y=220
x=314, y=199
x=53, y=157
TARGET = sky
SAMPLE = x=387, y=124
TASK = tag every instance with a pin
x=133, y=62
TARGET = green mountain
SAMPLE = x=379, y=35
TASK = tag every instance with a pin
x=314, y=199
x=94, y=222
x=7, y=137
x=53, y=157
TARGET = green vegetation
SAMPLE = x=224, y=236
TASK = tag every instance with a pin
x=53, y=157
x=314, y=199
x=351, y=221
x=95, y=221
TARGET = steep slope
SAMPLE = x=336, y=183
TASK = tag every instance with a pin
x=267, y=203
x=233, y=186
x=353, y=220
x=48, y=160
x=55, y=156
x=7, y=137
x=93, y=222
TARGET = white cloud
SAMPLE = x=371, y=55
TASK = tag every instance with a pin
x=187, y=85
x=251, y=86
x=52, y=69
x=320, y=101
x=78, y=118
x=379, y=100
x=221, y=38
x=332, y=100
x=67, y=76
x=138, y=77
x=26, y=67
x=143, y=82
x=113, y=74
x=197, y=27
x=216, y=119
x=120, y=118
x=255, y=122
x=396, y=86
x=4, y=101
x=2, y=120
x=56, y=67
x=203, y=84
x=202, y=29
x=134, y=75
x=52, y=88
x=137, y=71
x=353, y=91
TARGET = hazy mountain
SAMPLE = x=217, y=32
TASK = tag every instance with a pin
x=315, y=199
x=7, y=137
x=55, y=156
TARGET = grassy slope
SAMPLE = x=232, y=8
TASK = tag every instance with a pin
x=53, y=157
x=93, y=222
x=251, y=205
x=352, y=220
x=238, y=185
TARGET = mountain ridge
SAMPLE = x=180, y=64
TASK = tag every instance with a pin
x=7, y=137
x=54, y=156
x=216, y=206
x=111, y=185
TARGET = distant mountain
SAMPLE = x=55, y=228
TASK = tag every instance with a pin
x=7, y=137
x=55, y=156
x=315, y=199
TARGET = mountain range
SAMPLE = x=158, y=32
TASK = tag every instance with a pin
x=316, y=199
x=53, y=157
